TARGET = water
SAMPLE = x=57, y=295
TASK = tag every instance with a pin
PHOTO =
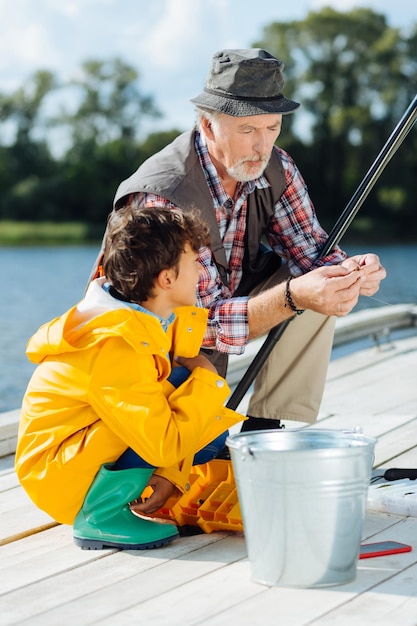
x=39, y=284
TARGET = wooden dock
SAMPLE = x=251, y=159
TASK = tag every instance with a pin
x=205, y=579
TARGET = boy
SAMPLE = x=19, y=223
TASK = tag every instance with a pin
x=121, y=398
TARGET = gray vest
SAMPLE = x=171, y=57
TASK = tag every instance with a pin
x=175, y=173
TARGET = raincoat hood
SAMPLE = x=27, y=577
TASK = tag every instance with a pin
x=97, y=317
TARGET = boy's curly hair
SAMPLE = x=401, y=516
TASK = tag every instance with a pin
x=140, y=242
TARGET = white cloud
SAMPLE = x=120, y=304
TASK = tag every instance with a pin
x=70, y=9
x=170, y=42
x=24, y=43
x=173, y=34
x=36, y=48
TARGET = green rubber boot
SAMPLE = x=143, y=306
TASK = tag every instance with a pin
x=106, y=521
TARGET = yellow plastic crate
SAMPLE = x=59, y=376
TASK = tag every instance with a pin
x=211, y=502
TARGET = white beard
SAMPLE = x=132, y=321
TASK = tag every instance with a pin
x=240, y=172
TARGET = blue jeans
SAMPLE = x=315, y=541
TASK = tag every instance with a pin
x=130, y=458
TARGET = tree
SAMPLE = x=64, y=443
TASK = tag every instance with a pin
x=104, y=126
x=351, y=73
x=102, y=129
x=109, y=106
x=27, y=158
x=23, y=107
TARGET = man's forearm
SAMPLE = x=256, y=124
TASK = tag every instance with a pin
x=268, y=309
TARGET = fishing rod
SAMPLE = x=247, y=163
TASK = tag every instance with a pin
x=391, y=146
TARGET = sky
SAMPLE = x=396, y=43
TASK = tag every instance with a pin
x=170, y=42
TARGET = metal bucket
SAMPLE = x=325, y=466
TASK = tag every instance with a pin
x=302, y=495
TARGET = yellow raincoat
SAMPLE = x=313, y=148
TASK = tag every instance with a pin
x=101, y=387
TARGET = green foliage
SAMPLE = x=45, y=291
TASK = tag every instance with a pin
x=110, y=104
x=353, y=74
x=47, y=233
x=103, y=149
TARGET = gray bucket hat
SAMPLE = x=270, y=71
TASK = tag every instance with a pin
x=245, y=82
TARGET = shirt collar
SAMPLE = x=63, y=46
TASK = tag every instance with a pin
x=165, y=322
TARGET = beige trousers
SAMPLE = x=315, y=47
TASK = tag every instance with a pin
x=290, y=385
x=291, y=382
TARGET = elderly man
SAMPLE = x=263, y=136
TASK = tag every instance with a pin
x=262, y=266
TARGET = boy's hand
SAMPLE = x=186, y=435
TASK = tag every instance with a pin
x=162, y=490
x=196, y=361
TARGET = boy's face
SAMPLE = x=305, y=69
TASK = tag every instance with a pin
x=184, y=290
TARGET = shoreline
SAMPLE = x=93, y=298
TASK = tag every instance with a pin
x=50, y=233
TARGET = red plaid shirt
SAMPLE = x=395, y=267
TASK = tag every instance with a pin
x=295, y=235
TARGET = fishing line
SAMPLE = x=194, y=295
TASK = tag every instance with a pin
x=378, y=300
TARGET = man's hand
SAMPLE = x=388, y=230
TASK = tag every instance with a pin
x=330, y=290
x=162, y=490
x=371, y=270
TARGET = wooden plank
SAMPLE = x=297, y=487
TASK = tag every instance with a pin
x=375, y=523
x=391, y=602
x=6, y=463
x=9, y=423
x=105, y=586
x=354, y=388
x=38, y=558
x=364, y=359
x=20, y=517
x=8, y=480
x=371, y=425
x=396, y=442
x=406, y=459
x=396, y=434
x=355, y=393
x=227, y=595
x=295, y=607
x=124, y=584
x=358, y=362
x=304, y=606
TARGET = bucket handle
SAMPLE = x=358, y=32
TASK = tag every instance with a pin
x=246, y=452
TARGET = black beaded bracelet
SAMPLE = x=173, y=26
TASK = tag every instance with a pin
x=289, y=298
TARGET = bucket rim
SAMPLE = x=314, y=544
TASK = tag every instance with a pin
x=250, y=438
